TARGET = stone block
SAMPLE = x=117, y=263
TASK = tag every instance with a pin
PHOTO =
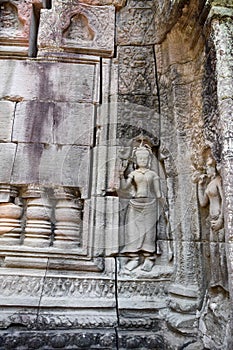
x=106, y=178
x=33, y=122
x=78, y=28
x=137, y=70
x=152, y=294
x=136, y=114
x=82, y=292
x=27, y=163
x=17, y=290
x=60, y=123
x=106, y=227
x=6, y=120
x=73, y=124
x=136, y=24
x=47, y=81
x=15, y=23
x=7, y=156
x=52, y=165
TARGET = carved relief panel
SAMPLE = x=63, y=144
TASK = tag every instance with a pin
x=210, y=196
x=136, y=70
x=145, y=244
x=136, y=23
x=10, y=24
x=15, y=22
x=77, y=27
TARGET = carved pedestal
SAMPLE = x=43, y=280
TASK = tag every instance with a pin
x=38, y=217
x=68, y=213
x=10, y=214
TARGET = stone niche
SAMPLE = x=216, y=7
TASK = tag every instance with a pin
x=72, y=26
x=115, y=194
x=18, y=21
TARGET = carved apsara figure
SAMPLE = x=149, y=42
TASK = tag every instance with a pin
x=142, y=212
x=210, y=193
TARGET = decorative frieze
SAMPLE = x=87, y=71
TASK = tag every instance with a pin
x=47, y=320
x=105, y=339
x=56, y=287
x=82, y=287
x=144, y=288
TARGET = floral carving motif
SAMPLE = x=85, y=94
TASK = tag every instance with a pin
x=72, y=340
x=47, y=321
x=136, y=24
x=136, y=70
x=56, y=287
x=146, y=289
x=212, y=127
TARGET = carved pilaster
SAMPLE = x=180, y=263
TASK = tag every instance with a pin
x=68, y=216
x=10, y=214
x=38, y=217
x=185, y=292
x=222, y=32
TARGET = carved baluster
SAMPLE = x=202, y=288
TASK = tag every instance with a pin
x=10, y=214
x=38, y=216
x=68, y=214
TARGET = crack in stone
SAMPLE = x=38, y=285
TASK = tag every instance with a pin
x=41, y=295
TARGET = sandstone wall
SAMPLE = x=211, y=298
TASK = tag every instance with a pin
x=85, y=86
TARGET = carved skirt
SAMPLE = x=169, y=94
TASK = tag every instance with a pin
x=140, y=226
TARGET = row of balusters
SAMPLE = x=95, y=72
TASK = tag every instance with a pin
x=40, y=217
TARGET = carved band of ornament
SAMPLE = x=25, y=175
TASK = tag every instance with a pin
x=56, y=287
x=86, y=340
x=51, y=321
x=143, y=288
x=73, y=287
x=60, y=4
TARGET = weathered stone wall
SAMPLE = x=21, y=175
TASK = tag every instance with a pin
x=86, y=87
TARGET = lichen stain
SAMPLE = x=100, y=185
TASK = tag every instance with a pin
x=34, y=153
x=38, y=126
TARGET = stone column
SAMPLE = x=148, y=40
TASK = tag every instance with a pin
x=38, y=217
x=68, y=218
x=220, y=25
x=222, y=31
x=10, y=215
x=185, y=291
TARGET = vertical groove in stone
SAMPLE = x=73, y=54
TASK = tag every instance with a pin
x=34, y=27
